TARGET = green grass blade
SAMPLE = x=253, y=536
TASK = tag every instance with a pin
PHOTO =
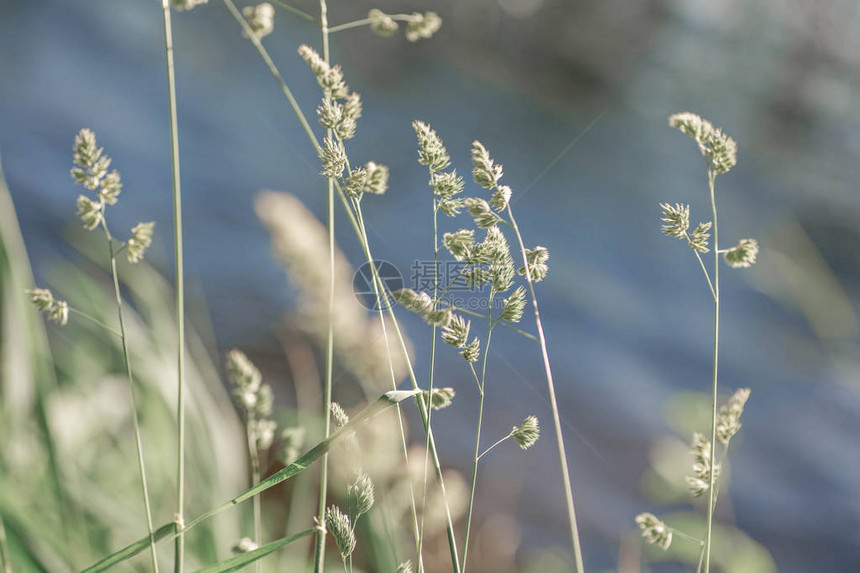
x=245, y=559
x=385, y=401
x=130, y=551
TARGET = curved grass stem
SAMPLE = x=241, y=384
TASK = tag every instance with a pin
x=319, y=549
x=134, y=405
x=556, y=418
x=477, y=455
x=716, y=290
x=179, y=549
x=254, y=457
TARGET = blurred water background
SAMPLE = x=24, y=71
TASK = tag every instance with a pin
x=572, y=97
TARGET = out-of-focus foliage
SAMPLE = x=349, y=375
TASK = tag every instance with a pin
x=69, y=483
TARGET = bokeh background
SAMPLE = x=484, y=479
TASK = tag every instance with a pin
x=572, y=96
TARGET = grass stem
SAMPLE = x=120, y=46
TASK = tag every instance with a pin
x=716, y=289
x=179, y=551
x=562, y=455
x=477, y=455
x=254, y=456
x=134, y=405
x=95, y=320
x=319, y=549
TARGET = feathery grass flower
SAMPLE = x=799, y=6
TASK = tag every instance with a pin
x=501, y=197
x=729, y=419
x=742, y=255
x=337, y=523
x=446, y=184
x=382, y=23
x=361, y=492
x=111, y=186
x=330, y=113
x=456, y=333
x=59, y=313
x=502, y=274
x=141, y=239
x=377, y=178
x=481, y=212
x=42, y=298
x=244, y=545
x=441, y=397
x=512, y=310
x=440, y=317
x=472, y=351
x=676, y=219
x=250, y=393
x=485, y=171
x=432, y=152
x=242, y=371
x=352, y=110
x=537, y=259
x=263, y=433
x=333, y=157
x=261, y=19
x=333, y=84
x=414, y=301
x=405, y=567
x=422, y=26
x=292, y=440
x=89, y=212
x=460, y=243
x=699, y=482
x=451, y=207
x=527, y=433
x=495, y=247
x=718, y=148
x=91, y=165
x=57, y=310
x=654, y=531
x=314, y=61
x=340, y=416
x=698, y=239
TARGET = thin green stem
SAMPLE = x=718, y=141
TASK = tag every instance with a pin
x=294, y=10
x=179, y=551
x=366, y=22
x=319, y=549
x=134, y=416
x=704, y=269
x=95, y=320
x=415, y=525
x=720, y=475
x=254, y=456
x=306, y=126
x=556, y=418
x=477, y=455
x=503, y=323
x=485, y=452
x=432, y=373
x=689, y=538
x=423, y=407
x=711, y=496
x=701, y=558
